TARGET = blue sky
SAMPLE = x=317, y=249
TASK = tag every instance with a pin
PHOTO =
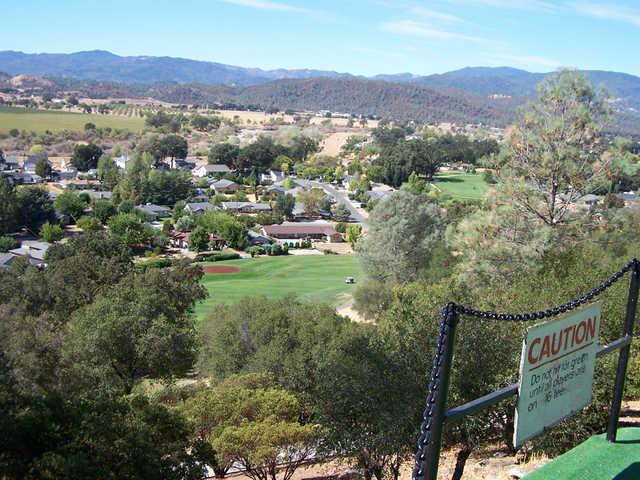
x=358, y=36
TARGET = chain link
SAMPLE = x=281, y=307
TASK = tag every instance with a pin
x=447, y=317
x=551, y=312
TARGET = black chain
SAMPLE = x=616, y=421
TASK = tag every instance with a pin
x=447, y=317
x=551, y=312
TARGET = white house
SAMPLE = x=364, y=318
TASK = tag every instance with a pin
x=208, y=170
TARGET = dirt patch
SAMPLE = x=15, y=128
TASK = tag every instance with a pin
x=221, y=269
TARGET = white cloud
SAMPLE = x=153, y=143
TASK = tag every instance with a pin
x=420, y=29
x=435, y=15
x=523, y=61
x=608, y=12
x=538, y=5
x=268, y=5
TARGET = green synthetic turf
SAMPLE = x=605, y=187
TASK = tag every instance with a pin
x=461, y=186
x=597, y=459
x=318, y=278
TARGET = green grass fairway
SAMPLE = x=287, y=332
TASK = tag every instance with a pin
x=319, y=278
x=461, y=186
x=54, y=120
x=597, y=459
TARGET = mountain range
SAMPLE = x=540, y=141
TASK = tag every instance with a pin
x=472, y=94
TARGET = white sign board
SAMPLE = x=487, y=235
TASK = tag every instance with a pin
x=556, y=370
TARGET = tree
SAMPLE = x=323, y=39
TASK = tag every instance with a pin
x=128, y=228
x=161, y=147
x=34, y=208
x=198, y=240
x=91, y=224
x=258, y=427
x=398, y=161
x=341, y=213
x=9, y=217
x=225, y=153
x=108, y=172
x=85, y=157
x=301, y=147
x=103, y=210
x=226, y=226
x=352, y=234
x=43, y=169
x=142, y=327
x=69, y=203
x=403, y=229
x=554, y=154
x=98, y=435
x=285, y=204
x=51, y=232
x=259, y=154
x=313, y=201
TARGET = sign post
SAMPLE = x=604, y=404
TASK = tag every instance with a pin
x=556, y=371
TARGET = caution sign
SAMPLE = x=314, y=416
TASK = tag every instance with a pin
x=556, y=370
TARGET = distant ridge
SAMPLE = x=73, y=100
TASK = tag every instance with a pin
x=469, y=95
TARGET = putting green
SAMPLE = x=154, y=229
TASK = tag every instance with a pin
x=597, y=459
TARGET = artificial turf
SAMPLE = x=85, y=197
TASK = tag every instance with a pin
x=597, y=459
x=318, y=278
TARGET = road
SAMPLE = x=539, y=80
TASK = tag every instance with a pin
x=341, y=197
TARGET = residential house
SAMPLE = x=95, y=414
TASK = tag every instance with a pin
x=182, y=163
x=153, y=212
x=122, y=161
x=95, y=195
x=208, y=170
x=29, y=165
x=33, y=250
x=9, y=163
x=24, y=178
x=181, y=240
x=245, y=207
x=292, y=232
x=628, y=197
x=272, y=176
x=224, y=186
x=6, y=259
x=589, y=200
x=198, y=208
x=257, y=239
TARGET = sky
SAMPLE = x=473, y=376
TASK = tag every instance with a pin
x=363, y=37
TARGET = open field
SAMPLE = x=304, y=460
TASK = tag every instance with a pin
x=319, y=278
x=461, y=186
x=54, y=120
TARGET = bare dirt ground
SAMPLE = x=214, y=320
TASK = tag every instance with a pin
x=341, y=248
x=333, y=142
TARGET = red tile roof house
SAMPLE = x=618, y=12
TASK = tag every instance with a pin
x=181, y=240
x=318, y=232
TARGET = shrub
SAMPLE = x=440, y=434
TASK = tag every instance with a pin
x=6, y=244
x=51, y=232
x=216, y=256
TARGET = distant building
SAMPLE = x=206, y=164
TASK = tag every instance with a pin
x=181, y=240
x=182, y=163
x=224, y=186
x=153, y=212
x=29, y=165
x=290, y=232
x=210, y=170
x=6, y=259
x=245, y=207
x=198, y=208
x=32, y=250
x=272, y=176
x=122, y=161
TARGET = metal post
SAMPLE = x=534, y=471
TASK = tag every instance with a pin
x=430, y=441
x=623, y=357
